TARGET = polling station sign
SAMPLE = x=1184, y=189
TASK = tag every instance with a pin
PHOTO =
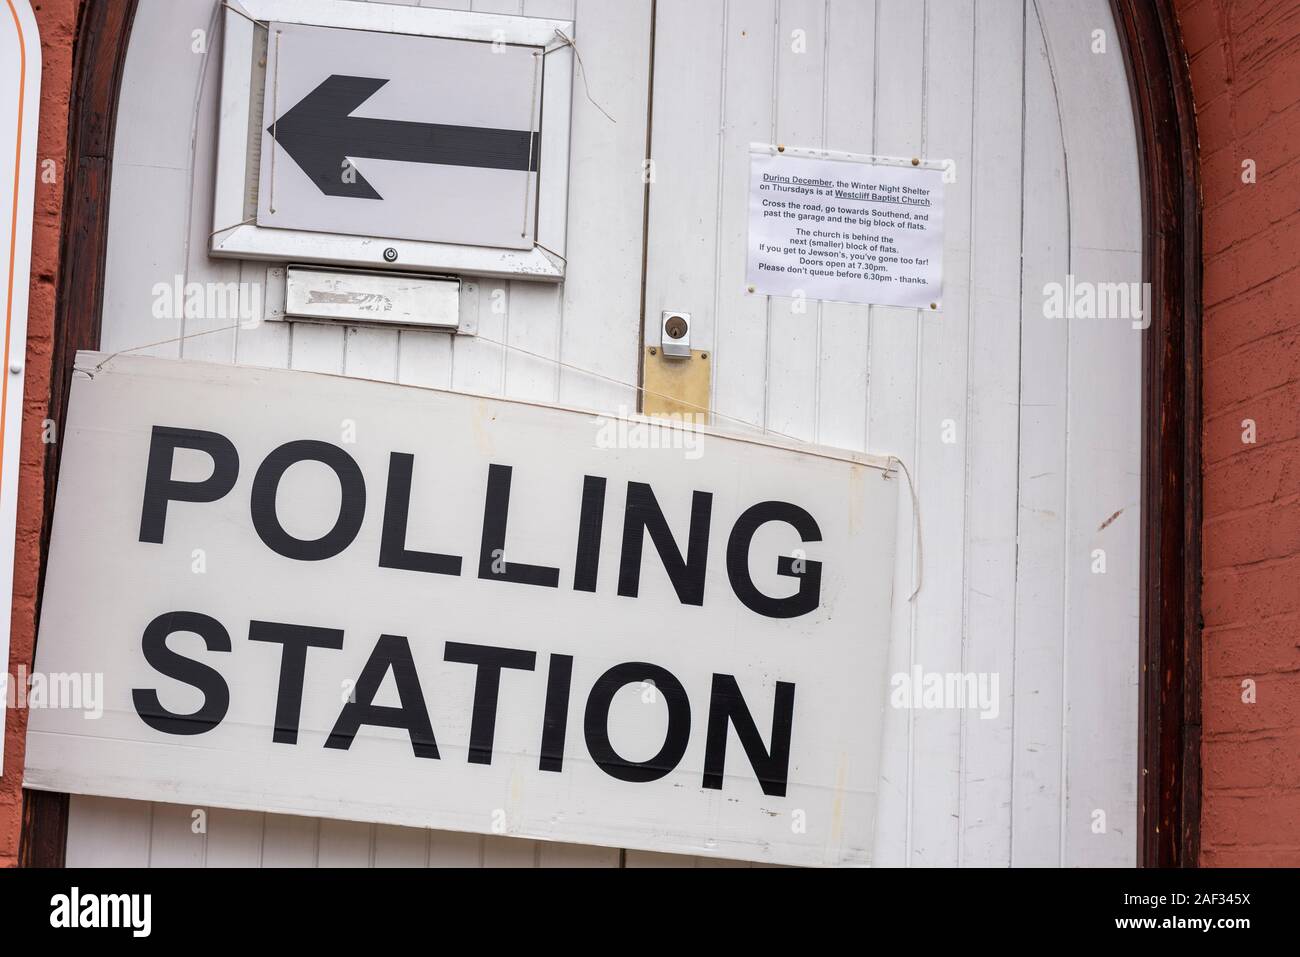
x=325, y=596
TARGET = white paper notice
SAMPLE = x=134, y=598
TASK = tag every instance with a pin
x=846, y=231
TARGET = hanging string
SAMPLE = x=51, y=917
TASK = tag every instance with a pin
x=918, y=565
x=559, y=363
x=565, y=41
x=246, y=222
x=90, y=373
x=893, y=460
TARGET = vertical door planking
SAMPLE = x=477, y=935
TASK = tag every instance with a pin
x=794, y=325
x=686, y=161
x=891, y=430
x=600, y=337
x=1103, y=429
x=1039, y=703
x=210, y=331
x=456, y=849
x=234, y=838
x=289, y=841
x=553, y=854
x=843, y=327
x=993, y=427
x=106, y=832
x=371, y=353
x=263, y=340
x=401, y=846
x=174, y=840
x=739, y=361
x=345, y=843
x=148, y=230
x=942, y=446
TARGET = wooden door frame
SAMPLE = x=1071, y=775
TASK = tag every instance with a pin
x=1169, y=727
x=1169, y=722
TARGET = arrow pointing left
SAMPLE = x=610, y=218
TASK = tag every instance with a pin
x=320, y=134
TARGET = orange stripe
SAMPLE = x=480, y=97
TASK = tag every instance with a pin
x=13, y=229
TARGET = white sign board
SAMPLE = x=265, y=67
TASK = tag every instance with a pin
x=401, y=137
x=394, y=137
x=845, y=231
x=20, y=93
x=327, y=596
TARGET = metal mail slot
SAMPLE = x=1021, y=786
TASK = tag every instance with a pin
x=376, y=298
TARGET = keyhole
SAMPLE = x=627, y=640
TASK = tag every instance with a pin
x=675, y=327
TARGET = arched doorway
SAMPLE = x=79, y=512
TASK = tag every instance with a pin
x=1045, y=473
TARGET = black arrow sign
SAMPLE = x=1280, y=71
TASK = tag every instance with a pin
x=320, y=133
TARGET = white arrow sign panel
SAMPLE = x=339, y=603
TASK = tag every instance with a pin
x=400, y=137
x=20, y=91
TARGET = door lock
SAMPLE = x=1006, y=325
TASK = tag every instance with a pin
x=675, y=334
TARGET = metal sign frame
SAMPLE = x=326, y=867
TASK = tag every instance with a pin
x=239, y=140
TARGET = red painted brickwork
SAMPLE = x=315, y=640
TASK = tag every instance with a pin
x=1245, y=66
x=58, y=25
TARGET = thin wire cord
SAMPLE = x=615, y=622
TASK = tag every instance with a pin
x=918, y=563
x=90, y=373
x=246, y=222
x=496, y=342
x=565, y=41
x=581, y=370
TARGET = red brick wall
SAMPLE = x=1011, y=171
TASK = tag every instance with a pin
x=58, y=21
x=1245, y=65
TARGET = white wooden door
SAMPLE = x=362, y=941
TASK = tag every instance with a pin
x=1021, y=432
